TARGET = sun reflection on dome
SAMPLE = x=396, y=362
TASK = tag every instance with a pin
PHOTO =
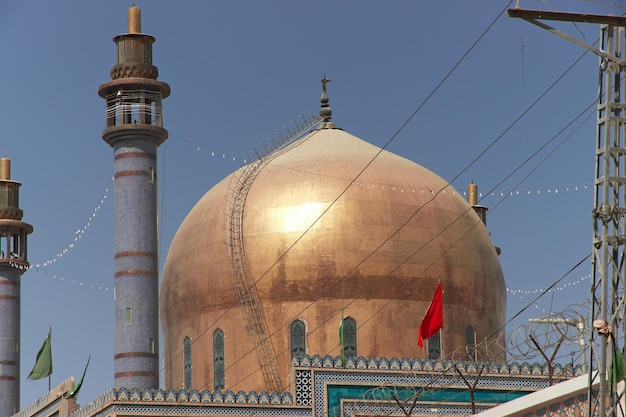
x=300, y=217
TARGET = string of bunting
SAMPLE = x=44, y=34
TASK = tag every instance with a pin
x=77, y=235
x=319, y=177
x=522, y=292
x=539, y=191
x=214, y=154
x=512, y=291
x=552, y=190
x=73, y=280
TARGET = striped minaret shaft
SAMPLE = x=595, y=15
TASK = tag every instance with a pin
x=134, y=129
x=13, y=263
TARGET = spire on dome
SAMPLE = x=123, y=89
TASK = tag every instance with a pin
x=325, y=112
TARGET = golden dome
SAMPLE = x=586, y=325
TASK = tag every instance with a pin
x=380, y=245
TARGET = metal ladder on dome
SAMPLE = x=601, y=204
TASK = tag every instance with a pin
x=245, y=285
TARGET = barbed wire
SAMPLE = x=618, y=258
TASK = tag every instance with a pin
x=561, y=331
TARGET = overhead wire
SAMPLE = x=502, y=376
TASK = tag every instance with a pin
x=448, y=185
x=405, y=122
x=433, y=262
x=448, y=367
x=393, y=136
x=554, y=284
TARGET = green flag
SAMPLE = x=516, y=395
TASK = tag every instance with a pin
x=74, y=392
x=43, y=364
x=617, y=371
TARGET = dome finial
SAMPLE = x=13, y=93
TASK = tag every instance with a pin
x=325, y=112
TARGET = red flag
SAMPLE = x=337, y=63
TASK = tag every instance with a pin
x=433, y=319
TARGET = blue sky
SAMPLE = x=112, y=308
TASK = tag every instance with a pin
x=240, y=71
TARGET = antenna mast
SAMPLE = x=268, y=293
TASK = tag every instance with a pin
x=609, y=234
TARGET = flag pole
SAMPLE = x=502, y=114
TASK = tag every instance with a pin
x=50, y=374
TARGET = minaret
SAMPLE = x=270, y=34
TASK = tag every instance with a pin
x=134, y=129
x=472, y=199
x=13, y=263
x=481, y=211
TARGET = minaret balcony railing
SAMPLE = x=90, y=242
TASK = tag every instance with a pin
x=13, y=243
x=126, y=107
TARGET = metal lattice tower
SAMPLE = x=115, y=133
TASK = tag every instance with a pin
x=608, y=213
x=609, y=230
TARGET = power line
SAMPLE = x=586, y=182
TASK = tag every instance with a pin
x=439, y=233
x=466, y=167
x=420, y=106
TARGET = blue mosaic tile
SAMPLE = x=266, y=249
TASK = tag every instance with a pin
x=122, y=394
x=171, y=395
x=264, y=398
x=229, y=397
x=275, y=398
x=465, y=366
x=327, y=362
x=493, y=368
x=218, y=397
x=351, y=363
x=557, y=369
x=514, y=369
x=316, y=361
x=146, y=395
x=253, y=398
x=206, y=397
x=135, y=394
x=504, y=369
x=241, y=398
x=159, y=395
x=194, y=396
x=338, y=362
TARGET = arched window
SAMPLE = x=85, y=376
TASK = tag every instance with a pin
x=470, y=343
x=218, y=360
x=347, y=337
x=298, y=339
x=187, y=363
x=434, y=346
